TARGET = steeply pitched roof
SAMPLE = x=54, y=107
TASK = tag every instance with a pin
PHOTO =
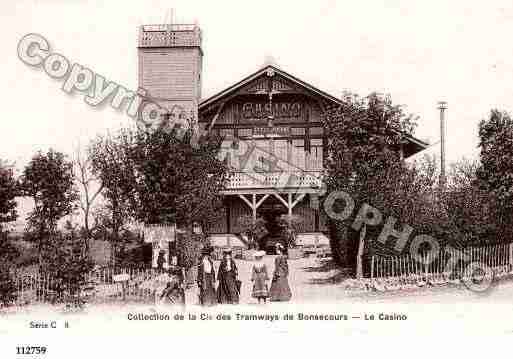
x=261, y=72
x=412, y=147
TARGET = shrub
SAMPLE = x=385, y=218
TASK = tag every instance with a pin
x=9, y=253
x=189, y=246
x=67, y=263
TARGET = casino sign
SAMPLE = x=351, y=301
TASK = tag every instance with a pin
x=275, y=110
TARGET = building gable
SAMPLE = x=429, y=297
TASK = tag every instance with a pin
x=271, y=97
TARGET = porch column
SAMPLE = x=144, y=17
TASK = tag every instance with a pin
x=254, y=208
x=228, y=214
x=253, y=204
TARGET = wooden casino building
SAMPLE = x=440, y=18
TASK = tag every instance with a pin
x=271, y=109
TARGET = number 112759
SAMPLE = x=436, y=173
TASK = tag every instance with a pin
x=30, y=350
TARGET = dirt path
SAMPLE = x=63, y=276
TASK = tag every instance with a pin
x=314, y=280
x=311, y=280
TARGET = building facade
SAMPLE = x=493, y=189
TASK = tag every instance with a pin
x=271, y=118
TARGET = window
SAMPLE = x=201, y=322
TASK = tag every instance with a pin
x=262, y=150
x=298, y=154
x=281, y=149
x=315, y=159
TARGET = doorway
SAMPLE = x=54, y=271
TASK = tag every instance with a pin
x=271, y=211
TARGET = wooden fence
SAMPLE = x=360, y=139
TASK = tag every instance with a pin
x=448, y=263
x=37, y=287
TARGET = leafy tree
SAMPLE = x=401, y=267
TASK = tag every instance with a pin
x=110, y=164
x=189, y=247
x=496, y=171
x=66, y=262
x=175, y=182
x=364, y=147
x=496, y=143
x=471, y=207
x=157, y=177
x=9, y=254
x=8, y=193
x=48, y=179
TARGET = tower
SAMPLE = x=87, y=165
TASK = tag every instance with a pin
x=170, y=62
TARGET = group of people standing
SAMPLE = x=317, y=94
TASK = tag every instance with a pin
x=229, y=285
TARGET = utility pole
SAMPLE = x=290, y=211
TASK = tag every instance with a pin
x=442, y=106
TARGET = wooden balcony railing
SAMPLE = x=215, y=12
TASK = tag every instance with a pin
x=266, y=180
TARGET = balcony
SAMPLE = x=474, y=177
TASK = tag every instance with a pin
x=281, y=181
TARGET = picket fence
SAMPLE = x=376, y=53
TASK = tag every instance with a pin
x=447, y=264
x=100, y=284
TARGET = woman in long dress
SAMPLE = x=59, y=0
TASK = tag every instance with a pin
x=259, y=278
x=280, y=289
x=206, y=279
x=228, y=289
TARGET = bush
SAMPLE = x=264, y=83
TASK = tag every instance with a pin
x=9, y=254
x=407, y=193
x=7, y=286
x=64, y=258
x=189, y=246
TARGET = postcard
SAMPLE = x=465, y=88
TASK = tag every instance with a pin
x=254, y=178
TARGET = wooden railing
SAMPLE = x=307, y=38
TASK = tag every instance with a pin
x=246, y=180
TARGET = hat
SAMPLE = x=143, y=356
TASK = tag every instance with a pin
x=259, y=254
x=227, y=250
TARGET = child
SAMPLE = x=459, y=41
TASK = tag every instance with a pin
x=259, y=278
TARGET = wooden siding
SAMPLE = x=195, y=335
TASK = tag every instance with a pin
x=170, y=73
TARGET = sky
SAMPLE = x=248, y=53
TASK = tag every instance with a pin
x=420, y=52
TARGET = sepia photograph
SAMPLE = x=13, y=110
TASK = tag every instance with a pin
x=208, y=174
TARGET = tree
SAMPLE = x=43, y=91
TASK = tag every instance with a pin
x=8, y=252
x=175, y=182
x=64, y=260
x=48, y=179
x=471, y=206
x=157, y=177
x=496, y=171
x=89, y=186
x=365, y=139
x=110, y=164
x=8, y=193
